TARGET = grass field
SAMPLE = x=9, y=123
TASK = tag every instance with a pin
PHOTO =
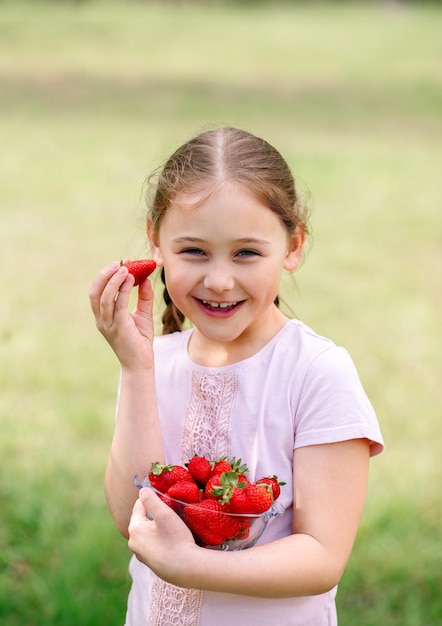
x=93, y=96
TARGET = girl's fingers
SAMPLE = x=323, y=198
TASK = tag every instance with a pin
x=145, y=298
x=99, y=284
x=110, y=294
x=120, y=287
x=152, y=504
x=139, y=513
x=150, y=507
x=140, y=516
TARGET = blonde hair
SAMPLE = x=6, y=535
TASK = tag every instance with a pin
x=225, y=155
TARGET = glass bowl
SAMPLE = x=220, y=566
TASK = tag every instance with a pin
x=248, y=528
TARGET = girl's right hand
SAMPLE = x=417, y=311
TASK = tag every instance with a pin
x=129, y=334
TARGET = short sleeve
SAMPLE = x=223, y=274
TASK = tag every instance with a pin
x=333, y=405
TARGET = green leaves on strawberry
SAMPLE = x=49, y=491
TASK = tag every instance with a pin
x=140, y=269
x=224, y=486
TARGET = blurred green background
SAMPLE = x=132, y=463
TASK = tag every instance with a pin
x=93, y=96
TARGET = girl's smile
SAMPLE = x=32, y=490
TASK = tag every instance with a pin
x=220, y=309
x=223, y=256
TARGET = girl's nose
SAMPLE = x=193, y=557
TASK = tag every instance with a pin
x=218, y=279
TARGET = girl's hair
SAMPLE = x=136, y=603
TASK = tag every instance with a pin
x=213, y=158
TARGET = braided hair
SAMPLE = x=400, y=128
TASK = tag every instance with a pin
x=172, y=317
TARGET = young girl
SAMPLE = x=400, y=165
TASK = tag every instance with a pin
x=246, y=382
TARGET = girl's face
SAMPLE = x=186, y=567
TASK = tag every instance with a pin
x=223, y=258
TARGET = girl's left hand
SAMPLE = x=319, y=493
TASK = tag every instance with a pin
x=162, y=541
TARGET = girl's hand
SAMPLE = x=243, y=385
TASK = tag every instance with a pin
x=161, y=542
x=129, y=334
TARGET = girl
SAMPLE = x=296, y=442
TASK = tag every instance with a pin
x=244, y=381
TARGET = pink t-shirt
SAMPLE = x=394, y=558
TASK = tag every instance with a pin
x=299, y=390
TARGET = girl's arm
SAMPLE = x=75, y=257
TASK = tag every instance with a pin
x=137, y=438
x=330, y=487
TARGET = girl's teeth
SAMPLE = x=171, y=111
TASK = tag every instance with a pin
x=221, y=305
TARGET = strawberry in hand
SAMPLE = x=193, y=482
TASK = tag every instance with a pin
x=140, y=269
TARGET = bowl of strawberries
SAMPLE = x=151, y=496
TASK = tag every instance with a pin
x=219, y=504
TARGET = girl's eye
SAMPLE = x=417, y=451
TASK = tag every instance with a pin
x=193, y=251
x=247, y=253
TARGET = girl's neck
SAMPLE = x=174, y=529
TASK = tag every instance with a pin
x=208, y=353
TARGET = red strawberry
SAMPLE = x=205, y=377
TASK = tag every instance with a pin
x=259, y=498
x=200, y=468
x=274, y=483
x=162, y=477
x=141, y=269
x=185, y=491
x=245, y=529
x=238, y=502
x=224, y=487
x=171, y=503
x=220, y=466
x=209, y=523
x=212, y=486
x=227, y=465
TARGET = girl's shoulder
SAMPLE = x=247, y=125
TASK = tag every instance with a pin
x=302, y=338
x=310, y=354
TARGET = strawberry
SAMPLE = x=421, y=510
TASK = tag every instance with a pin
x=238, y=502
x=227, y=465
x=245, y=529
x=274, y=483
x=185, y=491
x=220, y=466
x=209, y=523
x=200, y=468
x=259, y=498
x=162, y=477
x=141, y=269
x=242, y=478
x=176, y=506
x=212, y=486
x=224, y=487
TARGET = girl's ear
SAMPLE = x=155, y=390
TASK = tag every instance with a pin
x=294, y=253
x=154, y=243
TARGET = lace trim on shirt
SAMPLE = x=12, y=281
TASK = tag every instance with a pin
x=206, y=428
x=206, y=432
x=174, y=606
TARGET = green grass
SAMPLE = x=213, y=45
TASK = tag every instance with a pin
x=93, y=96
